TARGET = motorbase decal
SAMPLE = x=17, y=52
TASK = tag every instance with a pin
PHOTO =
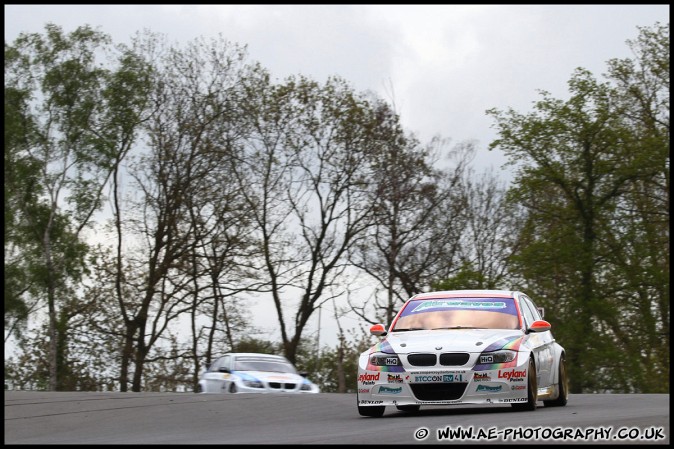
x=488, y=388
x=383, y=389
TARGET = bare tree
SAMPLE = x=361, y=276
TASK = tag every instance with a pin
x=307, y=167
x=419, y=219
x=177, y=211
x=490, y=236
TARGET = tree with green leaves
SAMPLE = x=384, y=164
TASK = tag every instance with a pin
x=581, y=163
x=21, y=175
x=639, y=236
x=61, y=156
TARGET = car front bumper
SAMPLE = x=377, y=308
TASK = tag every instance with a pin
x=435, y=386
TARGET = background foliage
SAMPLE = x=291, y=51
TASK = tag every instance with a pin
x=205, y=182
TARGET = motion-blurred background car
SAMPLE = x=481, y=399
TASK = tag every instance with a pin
x=254, y=373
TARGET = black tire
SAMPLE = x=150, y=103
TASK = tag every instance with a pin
x=408, y=408
x=232, y=388
x=373, y=411
x=563, y=387
x=532, y=391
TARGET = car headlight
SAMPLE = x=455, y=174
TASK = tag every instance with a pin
x=306, y=386
x=382, y=359
x=253, y=383
x=502, y=356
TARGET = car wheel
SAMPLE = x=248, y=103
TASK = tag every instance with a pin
x=232, y=387
x=374, y=411
x=563, y=387
x=532, y=390
x=408, y=408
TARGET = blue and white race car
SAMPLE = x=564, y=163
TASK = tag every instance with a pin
x=463, y=347
x=254, y=373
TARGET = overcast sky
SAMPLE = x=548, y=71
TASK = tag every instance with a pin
x=442, y=65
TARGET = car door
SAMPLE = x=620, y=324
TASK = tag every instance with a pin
x=216, y=380
x=227, y=377
x=540, y=342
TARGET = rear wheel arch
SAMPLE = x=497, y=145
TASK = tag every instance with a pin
x=562, y=385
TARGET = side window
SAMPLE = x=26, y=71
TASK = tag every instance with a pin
x=526, y=311
x=534, y=309
x=214, y=366
x=221, y=362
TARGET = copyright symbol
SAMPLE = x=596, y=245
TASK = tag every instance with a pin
x=421, y=433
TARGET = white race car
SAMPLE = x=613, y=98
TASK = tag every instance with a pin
x=254, y=373
x=463, y=347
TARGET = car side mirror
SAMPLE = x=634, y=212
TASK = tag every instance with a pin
x=222, y=369
x=378, y=330
x=539, y=326
x=303, y=374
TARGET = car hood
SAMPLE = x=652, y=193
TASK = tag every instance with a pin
x=450, y=340
x=268, y=376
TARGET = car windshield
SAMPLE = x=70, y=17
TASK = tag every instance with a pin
x=252, y=364
x=458, y=313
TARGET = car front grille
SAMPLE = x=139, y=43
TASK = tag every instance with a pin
x=279, y=385
x=454, y=358
x=438, y=391
x=422, y=359
x=446, y=359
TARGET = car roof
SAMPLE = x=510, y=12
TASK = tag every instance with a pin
x=466, y=294
x=257, y=355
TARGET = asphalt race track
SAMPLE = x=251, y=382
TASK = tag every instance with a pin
x=326, y=418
